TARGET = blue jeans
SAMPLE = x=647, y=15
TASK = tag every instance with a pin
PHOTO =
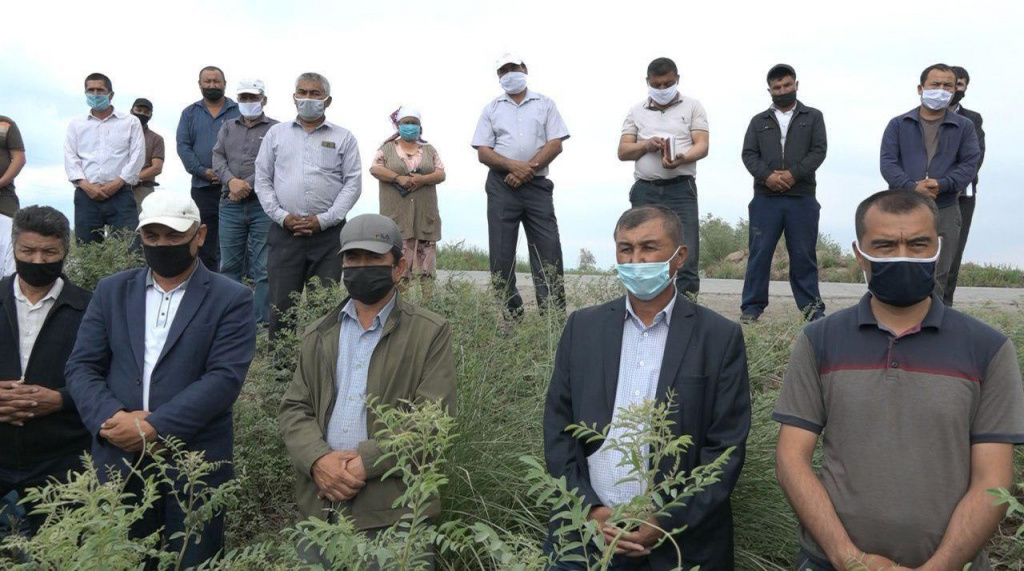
x=681, y=198
x=118, y=212
x=243, y=248
x=797, y=218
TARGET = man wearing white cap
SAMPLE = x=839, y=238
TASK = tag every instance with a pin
x=243, y=223
x=163, y=351
x=519, y=134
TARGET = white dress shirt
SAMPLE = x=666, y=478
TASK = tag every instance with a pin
x=784, y=118
x=304, y=173
x=161, y=307
x=643, y=349
x=7, y=266
x=518, y=132
x=103, y=150
x=31, y=317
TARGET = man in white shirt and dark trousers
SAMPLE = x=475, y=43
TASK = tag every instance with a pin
x=103, y=155
x=518, y=135
x=308, y=176
x=668, y=122
x=782, y=149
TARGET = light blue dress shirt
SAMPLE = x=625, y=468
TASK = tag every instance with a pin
x=519, y=132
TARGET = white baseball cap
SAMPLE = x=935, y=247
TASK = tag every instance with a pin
x=176, y=210
x=507, y=58
x=251, y=85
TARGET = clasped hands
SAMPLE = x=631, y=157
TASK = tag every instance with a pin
x=20, y=401
x=302, y=225
x=238, y=189
x=129, y=431
x=339, y=475
x=411, y=182
x=928, y=187
x=780, y=181
x=520, y=172
x=100, y=192
x=629, y=544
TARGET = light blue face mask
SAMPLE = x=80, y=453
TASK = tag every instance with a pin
x=97, y=101
x=646, y=281
x=409, y=131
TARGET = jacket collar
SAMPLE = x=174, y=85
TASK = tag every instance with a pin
x=332, y=321
x=70, y=294
x=799, y=108
x=915, y=115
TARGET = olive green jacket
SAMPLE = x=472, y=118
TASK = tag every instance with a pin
x=412, y=361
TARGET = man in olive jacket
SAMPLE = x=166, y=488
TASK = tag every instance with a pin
x=374, y=345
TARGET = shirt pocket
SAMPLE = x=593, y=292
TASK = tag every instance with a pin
x=327, y=159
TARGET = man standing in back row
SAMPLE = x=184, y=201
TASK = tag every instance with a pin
x=934, y=153
x=197, y=134
x=519, y=134
x=154, y=164
x=668, y=119
x=782, y=149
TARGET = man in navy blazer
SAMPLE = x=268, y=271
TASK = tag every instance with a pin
x=162, y=352
x=638, y=348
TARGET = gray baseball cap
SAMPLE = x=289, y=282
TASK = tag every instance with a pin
x=372, y=232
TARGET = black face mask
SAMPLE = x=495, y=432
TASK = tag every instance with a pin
x=957, y=97
x=368, y=284
x=142, y=118
x=39, y=275
x=169, y=261
x=784, y=100
x=212, y=93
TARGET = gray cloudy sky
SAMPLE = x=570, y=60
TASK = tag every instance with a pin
x=857, y=62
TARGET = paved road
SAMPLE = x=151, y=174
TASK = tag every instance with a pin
x=724, y=295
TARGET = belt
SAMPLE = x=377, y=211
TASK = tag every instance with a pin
x=668, y=181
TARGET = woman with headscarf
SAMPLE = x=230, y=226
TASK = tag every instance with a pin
x=409, y=170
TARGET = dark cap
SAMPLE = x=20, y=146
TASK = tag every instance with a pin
x=372, y=232
x=781, y=70
x=143, y=102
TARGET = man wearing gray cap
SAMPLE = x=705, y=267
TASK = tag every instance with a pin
x=162, y=352
x=377, y=346
x=154, y=165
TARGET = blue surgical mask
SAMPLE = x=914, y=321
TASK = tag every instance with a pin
x=646, y=281
x=409, y=131
x=901, y=282
x=98, y=101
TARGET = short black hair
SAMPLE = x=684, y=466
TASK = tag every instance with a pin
x=893, y=201
x=213, y=68
x=99, y=77
x=780, y=71
x=43, y=220
x=642, y=214
x=934, y=66
x=661, y=66
x=961, y=73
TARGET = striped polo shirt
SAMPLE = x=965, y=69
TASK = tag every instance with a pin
x=898, y=415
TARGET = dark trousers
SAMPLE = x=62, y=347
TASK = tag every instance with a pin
x=949, y=231
x=207, y=198
x=966, y=215
x=294, y=260
x=531, y=204
x=91, y=216
x=771, y=217
x=19, y=481
x=679, y=197
x=806, y=561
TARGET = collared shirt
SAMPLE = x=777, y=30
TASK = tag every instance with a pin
x=678, y=120
x=197, y=134
x=899, y=414
x=784, y=118
x=304, y=173
x=7, y=265
x=518, y=132
x=347, y=427
x=643, y=348
x=161, y=307
x=103, y=150
x=154, y=150
x=234, y=155
x=31, y=317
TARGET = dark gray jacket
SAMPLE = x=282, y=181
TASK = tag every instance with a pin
x=975, y=118
x=806, y=145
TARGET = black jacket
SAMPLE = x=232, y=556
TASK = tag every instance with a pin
x=59, y=434
x=705, y=364
x=975, y=118
x=806, y=145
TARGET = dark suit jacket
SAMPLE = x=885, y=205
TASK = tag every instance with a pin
x=975, y=118
x=198, y=375
x=705, y=364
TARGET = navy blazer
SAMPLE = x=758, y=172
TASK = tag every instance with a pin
x=197, y=377
x=705, y=364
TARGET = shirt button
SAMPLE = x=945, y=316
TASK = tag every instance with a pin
x=636, y=393
x=641, y=363
x=895, y=364
x=645, y=335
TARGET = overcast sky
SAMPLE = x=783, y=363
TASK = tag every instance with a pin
x=859, y=66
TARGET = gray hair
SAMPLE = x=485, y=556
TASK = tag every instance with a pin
x=43, y=220
x=313, y=76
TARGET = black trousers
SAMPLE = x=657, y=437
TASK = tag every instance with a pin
x=679, y=197
x=294, y=260
x=532, y=206
x=966, y=215
x=207, y=198
x=19, y=481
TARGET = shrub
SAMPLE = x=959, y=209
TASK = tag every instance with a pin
x=87, y=264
